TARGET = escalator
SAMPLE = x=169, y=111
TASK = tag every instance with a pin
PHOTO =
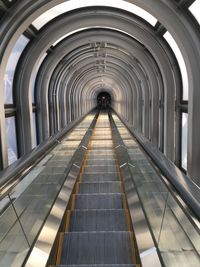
x=97, y=199
x=98, y=229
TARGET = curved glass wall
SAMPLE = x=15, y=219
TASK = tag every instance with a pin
x=11, y=66
x=71, y=5
x=181, y=62
x=11, y=140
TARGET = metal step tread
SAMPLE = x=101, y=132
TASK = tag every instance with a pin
x=96, y=248
x=99, y=201
x=100, y=169
x=100, y=177
x=103, y=187
x=101, y=151
x=98, y=220
x=101, y=162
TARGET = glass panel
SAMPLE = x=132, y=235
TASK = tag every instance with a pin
x=71, y=5
x=11, y=139
x=184, y=239
x=181, y=62
x=13, y=244
x=11, y=66
x=195, y=10
x=34, y=136
x=184, y=140
x=34, y=75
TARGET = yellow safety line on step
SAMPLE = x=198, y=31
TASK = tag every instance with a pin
x=73, y=202
x=128, y=220
x=133, y=250
x=67, y=222
x=59, y=253
x=77, y=189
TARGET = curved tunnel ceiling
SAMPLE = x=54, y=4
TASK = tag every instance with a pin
x=105, y=65
x=115, y=46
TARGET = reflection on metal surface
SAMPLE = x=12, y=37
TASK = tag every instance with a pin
x=131, y=165
x=147, y=252
x=123, y=165
x=142, y=232
x=76, y=165
x=150, y=258
x=38, y=256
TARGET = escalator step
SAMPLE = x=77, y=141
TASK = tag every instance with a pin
x=105, y=187
x=98, y=220
x=103, y=152
x=96, y=248
x=100, y=177
x=100, y=168
x=100, y=156
x=101, y=162
x=99, y=201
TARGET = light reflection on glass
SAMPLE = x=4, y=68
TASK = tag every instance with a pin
x=181, y=63
x=184, y=140
x=34, y=135
x=11, y=140
x=11, y=66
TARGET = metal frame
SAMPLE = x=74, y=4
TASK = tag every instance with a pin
x=181, y=25
x=168, y=81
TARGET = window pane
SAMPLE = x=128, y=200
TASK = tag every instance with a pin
x=11, y=139
x=184, y=140
x=181, y=63
x=34, y=75
x=195, y=10
x=34, y=136
x=11, y=66
x=71, y=5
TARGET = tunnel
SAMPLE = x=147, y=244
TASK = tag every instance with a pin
x=99, y=133
x=104, y=99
